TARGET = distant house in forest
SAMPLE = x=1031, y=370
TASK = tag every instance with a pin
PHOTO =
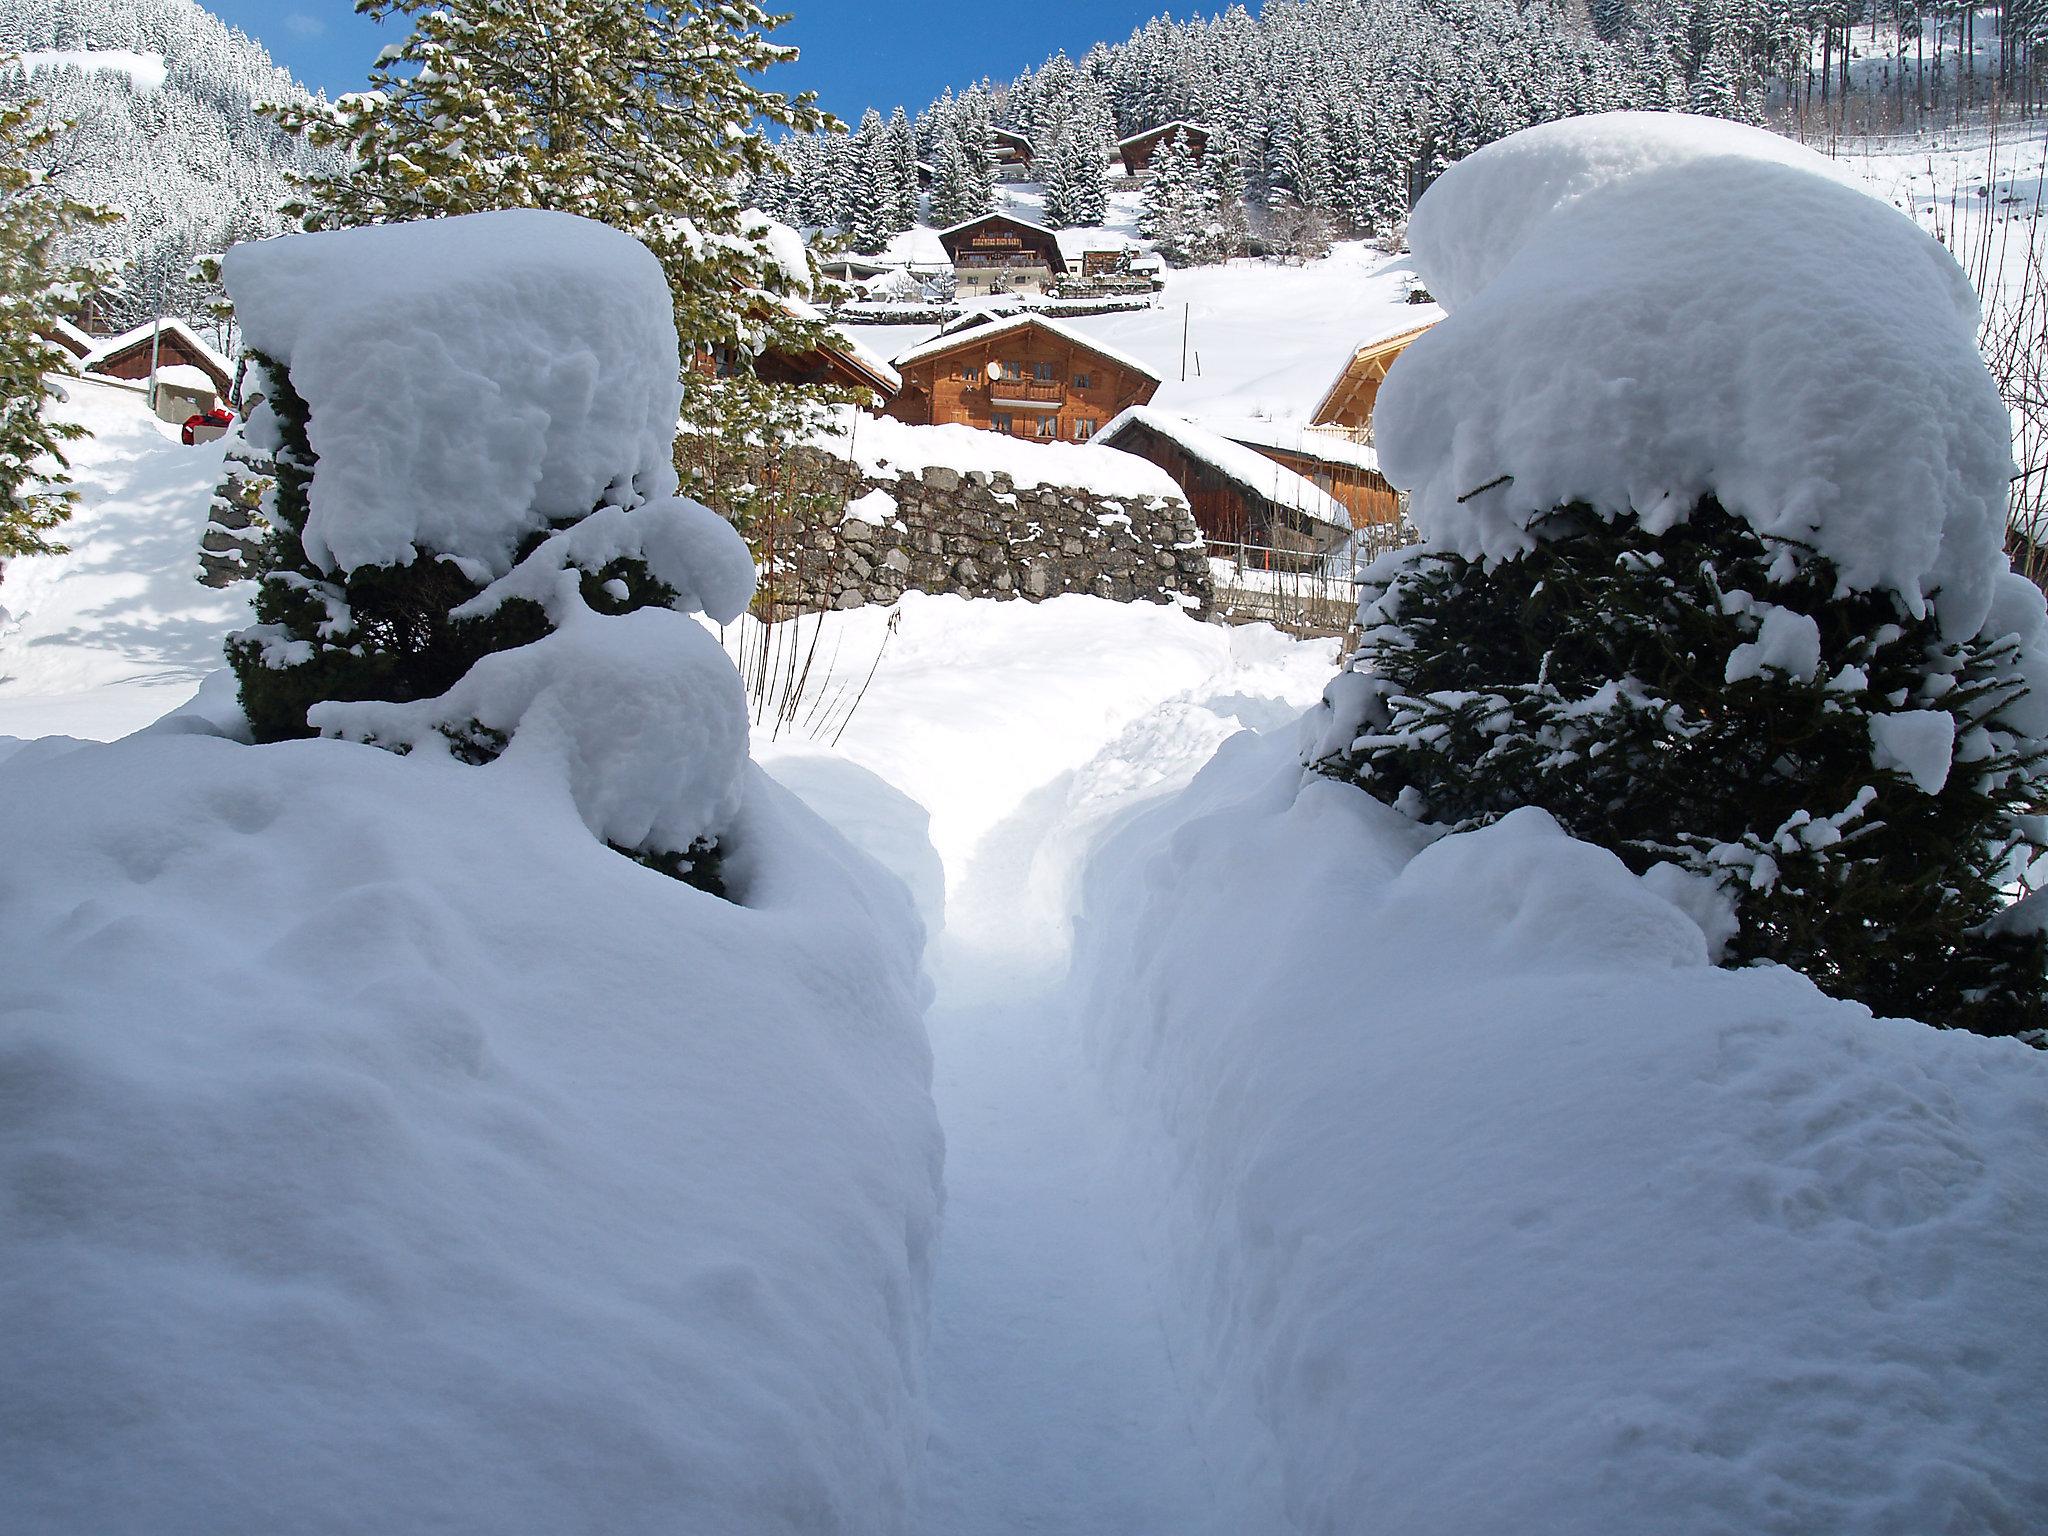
x=1137, y=151
x=1000, y=254
x=1011, y=155
x=1349, y=400
x=1239, y=495
x=1346, y=470
x=1025, y=376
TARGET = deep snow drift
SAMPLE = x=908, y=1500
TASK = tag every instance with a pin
x=1503, y=1209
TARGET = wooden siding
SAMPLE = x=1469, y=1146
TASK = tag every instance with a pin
x=1362, y=492
x=958, y=387
x=1351, y=399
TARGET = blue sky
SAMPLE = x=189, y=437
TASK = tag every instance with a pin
x=856, y=53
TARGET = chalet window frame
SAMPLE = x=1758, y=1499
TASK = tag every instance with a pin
x=1084, y=381
x=1002, y=422
x=1085, y=427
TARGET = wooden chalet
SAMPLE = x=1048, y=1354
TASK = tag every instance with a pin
x=1011, y=155
x=1025, y=376
x=1349, y=400
x=1000, y=254
x=1343, y=469
x=840, y=362
x=1137, y=151
x=1239, y=496
x=128, y=356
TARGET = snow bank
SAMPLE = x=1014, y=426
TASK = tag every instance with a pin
x=882, y=446
x=1645, y=307
x=473, y=378
x=387, y=1154
x=1501, y=1209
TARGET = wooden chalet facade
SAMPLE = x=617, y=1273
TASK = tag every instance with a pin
x=1349, y=400
x=1137, y=151
x=998, y=254
x=1011, y=155
x=1025, y=376
x=1239, y=496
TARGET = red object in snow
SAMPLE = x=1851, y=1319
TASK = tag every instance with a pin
x=208, y=425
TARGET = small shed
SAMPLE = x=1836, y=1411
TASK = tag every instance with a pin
x=183, y=391
x=998, y=253
x=1137, y=151
x=1239, y=495
x=173, y=344
x=1349, y=400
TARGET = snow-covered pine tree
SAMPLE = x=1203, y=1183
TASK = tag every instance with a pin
x=1703, y=697
x=644, y=116
x=1227, y=193
x=906, y=200
x=868, y=220
x=38, y=287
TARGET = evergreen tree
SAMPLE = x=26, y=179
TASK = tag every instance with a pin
x=1703, y=697
x=868, y=223
x=37, y=288
x=644, y=116
x=906, y=199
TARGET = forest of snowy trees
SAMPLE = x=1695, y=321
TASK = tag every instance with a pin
x=1335, y=114
x=172, y=139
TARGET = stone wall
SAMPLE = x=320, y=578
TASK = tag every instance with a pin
x=979, y=534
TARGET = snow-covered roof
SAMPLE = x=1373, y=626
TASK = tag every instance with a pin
x=1242, y=466
x=1167, y=130
x=70, y=337
x=863, y=356
x=183, y=376
x=882, y=446
x=1007, y=218
x=1076, y=243
x=107, y=347
x=947, y=342
x=1392, y=340
x=1295, y=437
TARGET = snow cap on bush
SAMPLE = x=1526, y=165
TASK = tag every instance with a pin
x=471, y=379
x=1649, y=307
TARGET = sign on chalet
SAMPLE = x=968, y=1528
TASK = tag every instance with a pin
x=1137, y=151
x=1026, y=376
x=998, y=254
x=1348, y=402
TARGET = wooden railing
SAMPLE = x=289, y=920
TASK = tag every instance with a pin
x=1026, y=392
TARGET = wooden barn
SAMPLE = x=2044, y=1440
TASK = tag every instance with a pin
x=1026, y=376
x=61, y=332
x=128, y=355
x=1000, y=254
x=1343, y=469
x=1240, y=496
x=1137, y=151
x=1349, y=400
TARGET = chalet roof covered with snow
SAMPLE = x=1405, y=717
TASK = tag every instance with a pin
x=947, y=342
x=1165, y=131
x=882, y=446
x=861, y=357
x=1369, y=361
x=1244, y=467
x=68, y=336
x=1295, y=437
x=108, y=349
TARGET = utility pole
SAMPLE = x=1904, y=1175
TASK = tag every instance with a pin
x=1186, y=315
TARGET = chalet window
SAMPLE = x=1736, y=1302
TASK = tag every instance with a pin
x=1043, y=371
x=1084, y=381
x=1048, y=426
x=1015, y=371
x=1000, y=423
x=970, y=372
x=1084, y=428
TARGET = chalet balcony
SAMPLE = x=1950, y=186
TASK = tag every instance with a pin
x=1027, y=392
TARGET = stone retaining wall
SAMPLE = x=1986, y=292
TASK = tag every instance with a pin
x=978, y=534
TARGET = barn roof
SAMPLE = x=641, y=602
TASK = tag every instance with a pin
x=1295, y=437
x=1244, y=467
x=946, y=342
x=107, y=348
x=1379, y=352
x=68, y=336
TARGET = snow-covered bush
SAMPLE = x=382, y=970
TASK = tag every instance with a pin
x=476, y=544
x=1712, y=483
